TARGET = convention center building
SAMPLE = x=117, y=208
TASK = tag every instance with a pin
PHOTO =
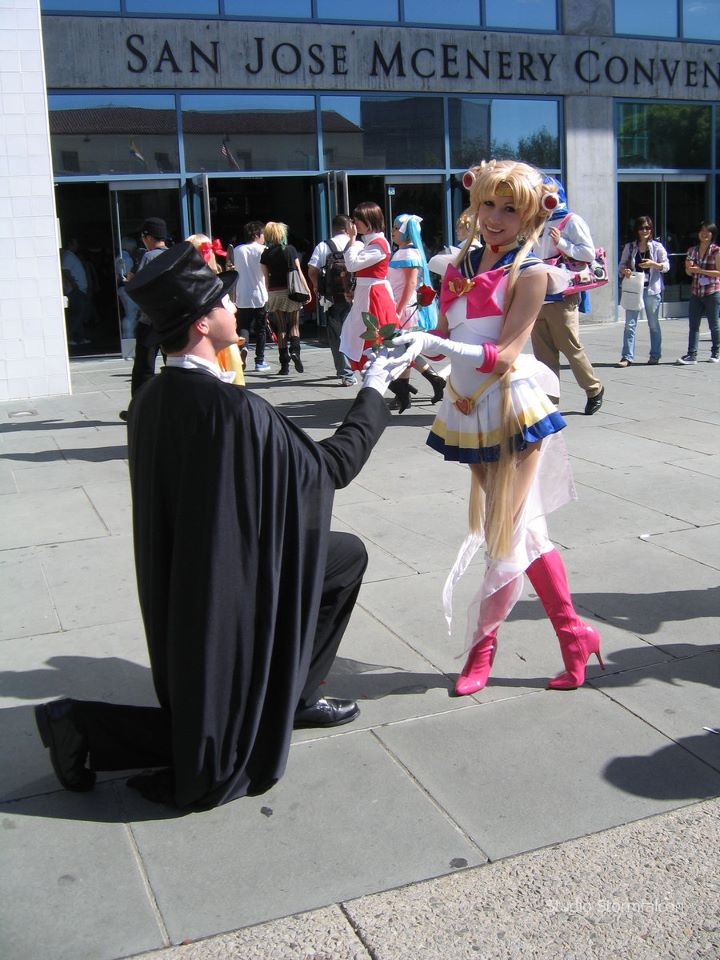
x=211, y=113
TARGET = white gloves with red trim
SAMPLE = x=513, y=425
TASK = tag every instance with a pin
x=386, y=365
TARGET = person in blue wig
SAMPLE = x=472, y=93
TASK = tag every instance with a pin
x=415, y=301
x=557, y=328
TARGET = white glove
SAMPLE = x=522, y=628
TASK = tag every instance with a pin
x=386, y=364
x=432, y=346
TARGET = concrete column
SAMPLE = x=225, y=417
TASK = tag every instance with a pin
x=594, y=19
x=33, y=351
x=590, y=184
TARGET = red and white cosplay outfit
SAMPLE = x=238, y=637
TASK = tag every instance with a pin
x=368, y=259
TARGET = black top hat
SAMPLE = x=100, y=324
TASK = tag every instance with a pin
x=155, y=227
x=177, y=288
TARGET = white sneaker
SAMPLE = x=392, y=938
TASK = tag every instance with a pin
x=262, y=367
x=687, y=359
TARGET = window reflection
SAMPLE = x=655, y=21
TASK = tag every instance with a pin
x=460, y=13
x=369, y=10
x=269, y=8
x=508, y=129
x=636, y=21
x=95, y=6
x=172, y=6
x=670, y=135
x=113, y=134
x=393, y=133
x=229, y=134
x=701, y=19
x=521, y=14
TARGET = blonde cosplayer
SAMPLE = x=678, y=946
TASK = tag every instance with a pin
x=492, y=507
x=497, y=416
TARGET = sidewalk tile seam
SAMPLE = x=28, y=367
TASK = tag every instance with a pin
x=428, y=796
x=142, y=871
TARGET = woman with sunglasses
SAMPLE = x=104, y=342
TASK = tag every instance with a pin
x=649, y=257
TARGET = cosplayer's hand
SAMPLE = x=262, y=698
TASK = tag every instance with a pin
x=421, y=343
x=430, y=345
x=385, y=365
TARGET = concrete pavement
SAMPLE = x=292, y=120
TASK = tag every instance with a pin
x=519, y=822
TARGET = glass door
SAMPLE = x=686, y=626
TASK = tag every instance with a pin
x=424, y=196
x=399, y=193
x=132, y=202
x=676, y=204
x=85, y=221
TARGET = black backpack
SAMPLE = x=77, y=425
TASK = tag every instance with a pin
x=335, y=280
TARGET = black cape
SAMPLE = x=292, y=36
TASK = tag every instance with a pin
x=231, y=514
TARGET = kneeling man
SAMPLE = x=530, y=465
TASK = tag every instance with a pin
x=245, y=592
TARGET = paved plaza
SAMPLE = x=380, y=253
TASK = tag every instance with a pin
x=519, y=822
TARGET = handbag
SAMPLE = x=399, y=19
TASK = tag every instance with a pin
x=631, y=296
x=583, y=275
x=297, y=289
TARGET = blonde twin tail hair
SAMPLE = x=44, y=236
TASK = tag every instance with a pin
x=491, y=508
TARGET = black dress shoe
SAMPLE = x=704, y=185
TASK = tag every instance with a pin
x=594, y=403
x=67, y=744
x=326, y=712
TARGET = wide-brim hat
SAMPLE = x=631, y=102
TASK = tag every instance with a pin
x=177, y=288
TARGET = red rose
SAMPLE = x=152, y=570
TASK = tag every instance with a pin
x=425, y=295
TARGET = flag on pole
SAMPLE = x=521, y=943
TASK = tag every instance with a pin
x=134, y=152
x=229, y=155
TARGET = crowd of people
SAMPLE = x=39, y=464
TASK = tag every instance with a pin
x=245, y=591
x=357, y=270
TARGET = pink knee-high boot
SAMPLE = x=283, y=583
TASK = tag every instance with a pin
x=477, y=667
x=578, y=641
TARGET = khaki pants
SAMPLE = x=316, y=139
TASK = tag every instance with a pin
x=556, y=331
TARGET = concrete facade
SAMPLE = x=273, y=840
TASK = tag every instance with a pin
x=104, y=52
x=33, y=352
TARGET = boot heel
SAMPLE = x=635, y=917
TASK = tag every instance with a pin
x=401, y=389
x=600, y=659
x=477, y=668
x=437, y=383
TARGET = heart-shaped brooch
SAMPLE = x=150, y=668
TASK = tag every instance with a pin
x=465, y=405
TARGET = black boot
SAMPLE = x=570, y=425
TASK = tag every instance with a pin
x=295, y=354
x=395, y=402
x=437, y=383
x=284, y=357
x=401, y=389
